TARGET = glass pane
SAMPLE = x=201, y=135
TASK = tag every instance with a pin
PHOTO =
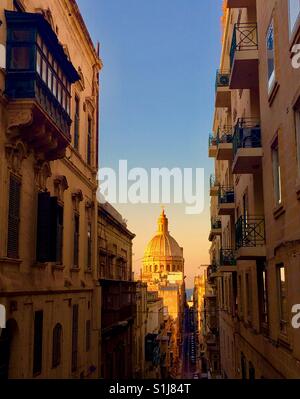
x=59, y=92
x=49, y=78
x=44, y=71
x=294, y=8
x=38, y=62
x=20, y=58
x=39, y=41
x=270, y=54
x=54, y=85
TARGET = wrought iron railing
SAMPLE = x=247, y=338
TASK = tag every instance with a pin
x=226, y=195
x=213, y=181
x=212, y=140
x=247, y=134
x=227, y=257
x=216, y=223
x=250, y=231
x=222, y=79
x=244, y=38
x=225, y=134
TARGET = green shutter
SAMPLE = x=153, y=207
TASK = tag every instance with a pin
x=13, y=218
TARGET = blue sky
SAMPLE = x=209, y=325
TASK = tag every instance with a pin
x=157, y=92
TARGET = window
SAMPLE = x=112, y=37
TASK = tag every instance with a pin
x=294, y=14
x=248, y=296
x=262, y=292
x=20, y=58
x=276, y=173
x=76, y=241
x=49, y=244
x=89, y=141
x=74, y=337
x=282, y=298
x=76, y=123
x=297, y=122
x=38, y=342
x=56, y=345
x=13, y=217
x=271, y=55
x=89, y=246
x=88, y=335
x=240, y=289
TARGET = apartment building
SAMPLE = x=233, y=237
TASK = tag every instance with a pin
x=255, y=191
x=118, y=295
x=49, y=91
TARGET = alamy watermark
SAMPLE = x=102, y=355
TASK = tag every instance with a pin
x=159, y=185
x=296, y=317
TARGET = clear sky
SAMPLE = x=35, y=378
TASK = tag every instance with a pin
x=157, y=101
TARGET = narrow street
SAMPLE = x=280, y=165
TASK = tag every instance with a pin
x=190, y=363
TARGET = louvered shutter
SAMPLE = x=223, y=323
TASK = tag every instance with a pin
x=13, y=218
x=54, y=219
x=43, y=227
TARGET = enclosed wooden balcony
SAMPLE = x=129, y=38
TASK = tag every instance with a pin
x=38, y=85
x=247, y=147
x=216, y=228
x=241, y=3
x=250, y=238
x=223, y=94
x=244, y=57
x=225, y=148
x=212, y=146
x=226, y=201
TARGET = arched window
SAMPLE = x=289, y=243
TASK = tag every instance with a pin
x=56, y=349
x=168, y=268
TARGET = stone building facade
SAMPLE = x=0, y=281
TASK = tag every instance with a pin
x=49, y=92
x=255, y=191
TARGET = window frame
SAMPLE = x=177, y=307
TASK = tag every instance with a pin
x=271, y=76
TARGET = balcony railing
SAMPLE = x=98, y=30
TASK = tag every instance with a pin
x=244, y=38
x=250, y=231
x=227, y=257
x=225, y=135
x=213, y=182
x=226, y=195
x=216, y=223
x=212, y=140
x=247, y=134
x=222, y=79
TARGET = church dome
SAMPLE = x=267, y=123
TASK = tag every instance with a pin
x=163, y=244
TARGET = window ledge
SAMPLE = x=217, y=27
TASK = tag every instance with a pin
x=284, y=342
x=12, y=261
x=272, y=92
x=75, y=269
x=58, y=266
x=88, y=271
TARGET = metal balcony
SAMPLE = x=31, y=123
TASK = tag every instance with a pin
x=212, y=146
x=227, y=260
x=250, y=238
x=244, y=57
x=241, y=3
x=216, y=228
x=223, y=94
x=226, y=201
x=214, y=186
x=224, y=139
x=247, y=148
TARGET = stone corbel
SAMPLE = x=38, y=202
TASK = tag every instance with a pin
x=42, y=171
x=77, y=197
x=60, y=186
x=15, y=154
x=18, y=119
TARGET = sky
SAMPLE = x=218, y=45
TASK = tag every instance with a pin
x=157, y=102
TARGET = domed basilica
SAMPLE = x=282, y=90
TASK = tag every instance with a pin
x=163, y=256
